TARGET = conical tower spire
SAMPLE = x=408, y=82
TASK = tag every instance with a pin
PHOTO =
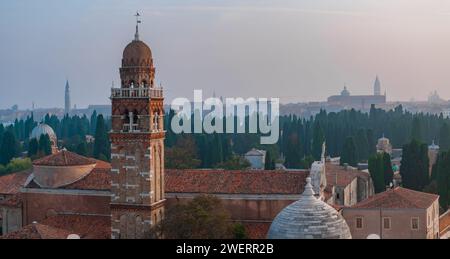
x=138, y=21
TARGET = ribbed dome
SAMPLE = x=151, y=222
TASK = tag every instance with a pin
x=309, y=218
x=42, y=129
x=137, y=53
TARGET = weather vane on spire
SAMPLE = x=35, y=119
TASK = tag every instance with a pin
x=138, y=21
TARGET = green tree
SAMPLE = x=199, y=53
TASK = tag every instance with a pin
x=269, y=163
x=33, y=147
x=387, y=169
x=9, y=147
x=307, y=162
x=444, y=137
x=82, y=149
x=202, y=218
x=239, y=231
x=235, y=163
x=349, y=152
x=414, y=166
x=93, y=123
x=318, y=139
x=443, y=179
x=16, y=165
x=416, y=132
x=377, y=172
x=362, y=145
x=183, y=155
x=45, y=146
x=371, y=142
x=101, y=144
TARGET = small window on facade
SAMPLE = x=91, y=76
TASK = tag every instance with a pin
x=387, y=223
x=359, y=223
x=414, y=223
x=337, y=196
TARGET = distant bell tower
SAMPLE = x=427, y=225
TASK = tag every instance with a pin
x=377, y=87
x=67, y=99
x=137, y=145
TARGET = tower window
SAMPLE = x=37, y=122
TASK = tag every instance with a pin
x=415, y=223
x=387, y=223
x=359, y=223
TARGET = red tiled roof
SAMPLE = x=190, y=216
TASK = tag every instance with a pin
x=37, y=231
x=444, y=223
x=234, y=181
x=64, y=158
x=11, y=183
x=257, y=230
x=98, y=179
x=87, y=227
x=61, y=226
x=399, y=198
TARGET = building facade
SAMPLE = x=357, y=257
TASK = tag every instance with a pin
x=137, y=145
x=398, y=213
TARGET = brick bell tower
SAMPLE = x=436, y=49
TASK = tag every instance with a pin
x=137, y=145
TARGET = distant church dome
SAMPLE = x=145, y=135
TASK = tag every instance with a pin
x=309, y=218
x=137, y=53
x=42, y=129
x=345, y=92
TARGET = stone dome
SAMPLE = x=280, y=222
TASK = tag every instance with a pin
x=309, y=218
x=43, y=129
x=137, y=53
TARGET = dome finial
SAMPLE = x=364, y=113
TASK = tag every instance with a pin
x=138, y=21
x=308, y=188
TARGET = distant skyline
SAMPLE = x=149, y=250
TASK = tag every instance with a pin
x=298, y=50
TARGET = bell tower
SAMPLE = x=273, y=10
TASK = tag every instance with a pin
x=137, y=145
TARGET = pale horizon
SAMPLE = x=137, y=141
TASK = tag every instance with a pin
x=299, y=51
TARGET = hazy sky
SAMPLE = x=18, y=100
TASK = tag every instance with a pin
x=299, y=50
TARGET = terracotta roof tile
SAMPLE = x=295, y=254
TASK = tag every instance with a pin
x=235, y=181
x=98, y=179
x=37, y=231
x=64, y=158
x=87, y=227
x=11, y=183
x=444, y=223
x=399, y=198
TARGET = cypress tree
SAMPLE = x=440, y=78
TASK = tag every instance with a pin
x=349, y=152
x=414, y=165
x=376, y=172
x=318, y=139
x=101, y=144
x=269, y=163
x=45, y=146
x=387, y=169
x=362, y=145
x=33, y=147
x=443, y=179
x=93, y=123
x=9, y=147
x=444, y=137
x=372, y=150
x=416, y=132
